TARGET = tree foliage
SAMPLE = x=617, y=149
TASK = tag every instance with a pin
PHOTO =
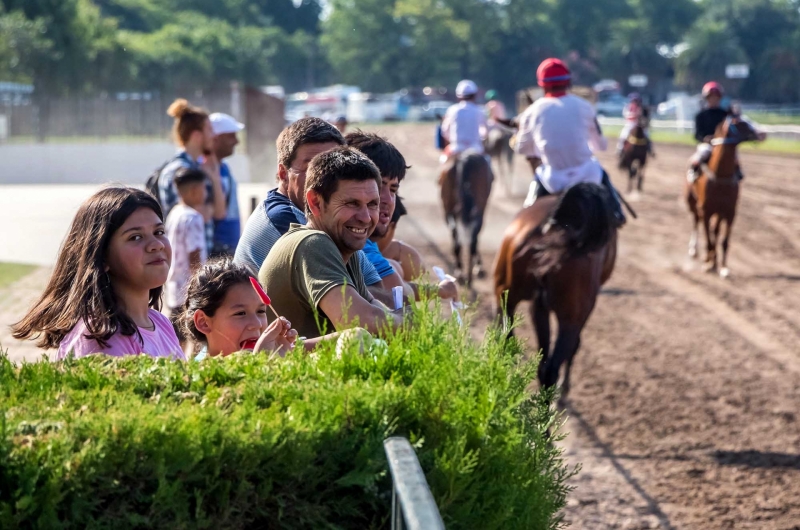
x=68, y=46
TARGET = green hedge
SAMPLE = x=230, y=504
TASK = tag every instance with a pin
x=250, y=442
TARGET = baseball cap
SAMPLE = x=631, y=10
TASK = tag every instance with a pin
x=222, y=123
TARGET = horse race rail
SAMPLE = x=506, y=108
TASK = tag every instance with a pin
x=413, y=506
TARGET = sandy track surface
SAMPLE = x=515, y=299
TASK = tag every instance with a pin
x=684, y=403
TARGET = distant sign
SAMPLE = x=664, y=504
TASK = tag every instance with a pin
x=737, y=71
x=638, y=80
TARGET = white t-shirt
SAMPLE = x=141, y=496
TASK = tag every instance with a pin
x=186, y=232
x=464, y=126
x=563, y=132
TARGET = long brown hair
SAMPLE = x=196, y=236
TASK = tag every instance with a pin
x=80, y=289
x=188, y=119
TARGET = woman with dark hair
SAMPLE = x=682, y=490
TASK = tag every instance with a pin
x=105, y=291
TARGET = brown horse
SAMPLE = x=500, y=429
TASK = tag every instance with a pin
x=465, y=187
x=713, y=196
x=634, y=155
x=557, y=254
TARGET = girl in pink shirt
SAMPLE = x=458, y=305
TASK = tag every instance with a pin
x=105, y=291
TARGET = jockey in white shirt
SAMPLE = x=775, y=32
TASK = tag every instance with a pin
x=561, y=129
x=464, y=124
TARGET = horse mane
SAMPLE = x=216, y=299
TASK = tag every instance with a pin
x=581, y=222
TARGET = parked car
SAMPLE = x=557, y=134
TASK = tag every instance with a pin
x=612, y=105
x=431, y=111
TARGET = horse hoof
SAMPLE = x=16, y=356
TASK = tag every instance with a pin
x=480, y=273
x=692, y=252
x=711, y=268
x=725, y=272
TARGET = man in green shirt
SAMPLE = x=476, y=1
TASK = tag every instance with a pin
x=313, y=273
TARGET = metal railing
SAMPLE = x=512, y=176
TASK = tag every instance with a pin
x=413, y=506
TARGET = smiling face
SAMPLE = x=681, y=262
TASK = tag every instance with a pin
x=350, y=216
x=237, y=324
x=293, y=178
x=139, y=253
x=389, y=187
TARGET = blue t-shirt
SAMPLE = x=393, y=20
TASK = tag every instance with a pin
x=228, y=230
x=375, y=257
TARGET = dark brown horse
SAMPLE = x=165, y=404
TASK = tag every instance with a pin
x=633, y=157
x=466, y=183
x=713, y=197
x=557, y=254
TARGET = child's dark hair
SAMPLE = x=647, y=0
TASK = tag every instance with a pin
x=79, y=288
x=189, y=175
x=207, y=290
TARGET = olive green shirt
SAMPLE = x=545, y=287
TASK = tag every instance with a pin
x=300, y=269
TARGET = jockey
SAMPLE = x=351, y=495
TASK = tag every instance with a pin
x=464, y=124
x=561, y=129
x=634, y=110
x=705, y=126
x=495, y=110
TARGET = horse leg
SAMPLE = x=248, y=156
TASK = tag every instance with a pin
x=711, y=245
x=567, y=344
x=725, y=271
x=540, y=316
x=453, y=224
x=474, y=256
x=568, y=370
x=640, y=175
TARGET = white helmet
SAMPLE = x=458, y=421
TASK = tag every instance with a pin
x=466, y=88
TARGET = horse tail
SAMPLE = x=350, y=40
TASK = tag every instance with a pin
x=581, y=223
x=466, y=169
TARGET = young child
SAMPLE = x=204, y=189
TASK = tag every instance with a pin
x=224, y=314
x=105, y=291
x=187, y=233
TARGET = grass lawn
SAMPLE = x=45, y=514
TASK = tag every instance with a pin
x=771, y=118
x=771, y=145
x=11, y=272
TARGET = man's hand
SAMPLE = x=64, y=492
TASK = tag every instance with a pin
x=448, y=290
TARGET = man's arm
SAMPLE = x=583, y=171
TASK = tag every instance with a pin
x=346, y=308
x=219, y=201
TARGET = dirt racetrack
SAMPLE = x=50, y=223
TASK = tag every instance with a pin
x=684, y=403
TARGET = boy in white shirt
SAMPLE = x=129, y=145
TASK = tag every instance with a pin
x=186, y=232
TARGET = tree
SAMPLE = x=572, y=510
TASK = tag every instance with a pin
x=711, y=46
x=20, y=40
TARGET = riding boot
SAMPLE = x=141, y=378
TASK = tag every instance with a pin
x=616, y=204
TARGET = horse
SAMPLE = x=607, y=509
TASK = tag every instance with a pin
x=466, y=184
x=557, y=253
x=634, y=154
x=713, y=196
x=498, y=146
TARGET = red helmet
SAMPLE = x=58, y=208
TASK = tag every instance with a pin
x=711, y=87
x=552, y=72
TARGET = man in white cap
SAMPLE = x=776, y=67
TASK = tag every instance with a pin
x=464, y=124
x=227, y=230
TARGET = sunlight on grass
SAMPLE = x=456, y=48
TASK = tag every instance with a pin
x=771, y=145
x=11, y=272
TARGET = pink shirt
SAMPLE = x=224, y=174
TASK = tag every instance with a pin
x=161, y=342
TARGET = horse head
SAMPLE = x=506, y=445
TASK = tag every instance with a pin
x=733, y=131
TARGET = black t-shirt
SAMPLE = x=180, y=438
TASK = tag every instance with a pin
x=707, y=121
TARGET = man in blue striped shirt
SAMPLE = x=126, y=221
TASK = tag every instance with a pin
x=284, y=205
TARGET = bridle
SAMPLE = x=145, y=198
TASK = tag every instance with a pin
x=731, y=134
